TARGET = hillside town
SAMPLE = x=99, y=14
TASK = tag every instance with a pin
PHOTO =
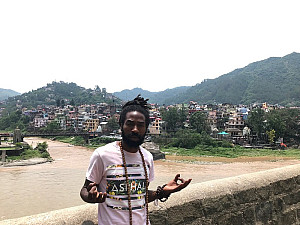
x=224, y=120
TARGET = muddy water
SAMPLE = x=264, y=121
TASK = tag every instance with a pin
x=28, y=190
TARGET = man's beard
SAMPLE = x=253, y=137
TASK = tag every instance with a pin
x=133, y=143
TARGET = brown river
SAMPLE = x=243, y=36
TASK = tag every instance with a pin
x=28, y=190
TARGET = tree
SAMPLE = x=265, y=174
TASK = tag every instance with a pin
x=52, y=127
x=97, y=88
x=256, y=121
x=72, y=102
x=271, y=136
x=187, y=139
x=198, y=122
x=285, y=122
x=112, y=124
x=62, y=103
x=275, y=121
x=13, y=120
x=58, y=102
x=171, y=117
x=182, y=116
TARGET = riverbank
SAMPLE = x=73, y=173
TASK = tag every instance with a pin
x=27, y=162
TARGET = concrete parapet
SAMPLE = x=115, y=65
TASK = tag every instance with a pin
x=267, y=197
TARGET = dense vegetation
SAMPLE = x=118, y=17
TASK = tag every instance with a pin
x=14, y=120
x=280, y=123
x=58, y=94
x=40, y=151
x=275, y=80
x=233, y=152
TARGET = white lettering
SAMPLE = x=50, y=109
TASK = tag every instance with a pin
x=114, y=188
x=139, y=186
x=122, y=187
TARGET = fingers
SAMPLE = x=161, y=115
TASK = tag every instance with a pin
x=176, y=177
x=94, y=195
x=91, y=185
x=185, y=183
x=101, y=197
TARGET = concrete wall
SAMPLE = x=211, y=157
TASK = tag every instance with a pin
x=268, y=197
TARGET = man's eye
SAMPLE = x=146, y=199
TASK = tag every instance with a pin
x=128, y=123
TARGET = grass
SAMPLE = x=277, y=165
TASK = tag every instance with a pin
x=234, y=152
x=203, y=150
x=29, y=154
x=7, y=148
x=79, y=141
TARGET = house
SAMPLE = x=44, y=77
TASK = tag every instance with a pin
x=154, y=126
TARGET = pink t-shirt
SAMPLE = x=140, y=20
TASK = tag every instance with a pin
x=106, y=169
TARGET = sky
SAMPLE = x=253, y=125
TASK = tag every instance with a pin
x=154, y=45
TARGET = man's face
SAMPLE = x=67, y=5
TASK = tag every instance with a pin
x=134, y=129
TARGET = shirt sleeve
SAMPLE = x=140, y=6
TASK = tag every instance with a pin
x=95, y=169
x=151, y=169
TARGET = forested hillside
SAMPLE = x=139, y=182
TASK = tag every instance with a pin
x=58, y=93
x=6, y=93
x=160, y=97
x=275, y=80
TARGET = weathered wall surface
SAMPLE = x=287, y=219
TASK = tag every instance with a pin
x=268, y=197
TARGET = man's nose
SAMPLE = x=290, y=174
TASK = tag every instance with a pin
x=135, y=129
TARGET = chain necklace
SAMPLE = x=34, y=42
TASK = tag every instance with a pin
x=128, y=186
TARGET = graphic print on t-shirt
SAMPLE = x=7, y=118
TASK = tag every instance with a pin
x=116, y=189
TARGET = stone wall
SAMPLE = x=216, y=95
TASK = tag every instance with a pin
x=268, y=197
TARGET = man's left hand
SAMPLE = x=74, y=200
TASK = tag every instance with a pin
x=176, y=184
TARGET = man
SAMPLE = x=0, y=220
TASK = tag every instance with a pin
x=119, y=173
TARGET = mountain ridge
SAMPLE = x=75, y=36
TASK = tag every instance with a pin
x=275, y=80
x=6, y=93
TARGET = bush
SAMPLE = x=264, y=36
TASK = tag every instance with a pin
x=190, y=139
x=42, y=147
x=28, y=154
x=99, y=140
x=45, y=155
x=186, y=139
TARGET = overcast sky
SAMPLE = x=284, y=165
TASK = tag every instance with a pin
x=153, y=45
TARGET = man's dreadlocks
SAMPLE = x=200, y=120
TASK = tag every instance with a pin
x=138, y=104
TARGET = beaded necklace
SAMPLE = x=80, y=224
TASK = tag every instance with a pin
x=128, y=186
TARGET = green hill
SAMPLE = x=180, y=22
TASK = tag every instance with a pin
x=161, y=97
x=275, y=80
x=6, y=93
x=59, y=93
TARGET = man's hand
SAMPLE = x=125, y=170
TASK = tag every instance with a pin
x=94, y=195
x=176, y=184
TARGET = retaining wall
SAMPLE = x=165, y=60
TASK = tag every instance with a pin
x=268, y=197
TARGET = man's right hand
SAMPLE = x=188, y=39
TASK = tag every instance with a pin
x=94, y=195
x=90, y=194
